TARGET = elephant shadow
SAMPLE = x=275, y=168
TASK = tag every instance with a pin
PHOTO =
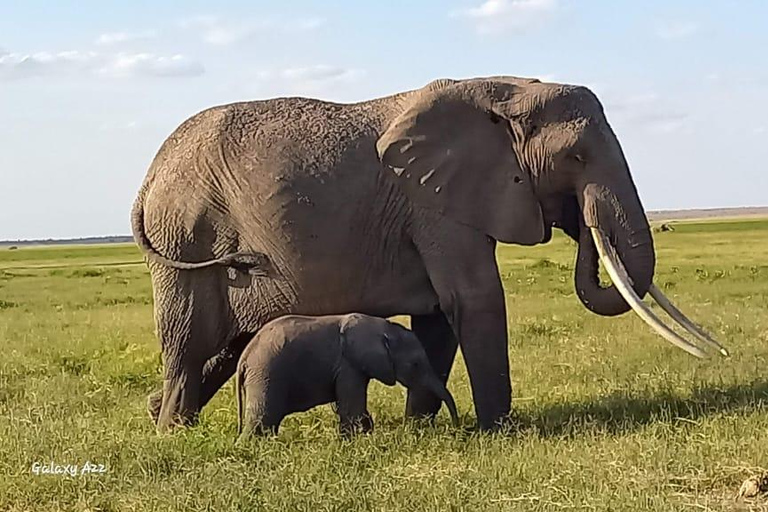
x=623, y=412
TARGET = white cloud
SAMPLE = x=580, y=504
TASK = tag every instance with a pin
x=677, y=29
x=221, y=32
x=314, y=80
x=760, y=130
x=663, y=122
x=147, y=64
x=18, y=65
x=647, y=110
x=320, y=73
x=632, y=102
x=305, y=24
x=112, y=126
x=110, y=38
x=495, y=16
x=218, y=32
x=14, y=66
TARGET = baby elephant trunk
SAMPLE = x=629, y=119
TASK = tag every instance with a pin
x=438, y=388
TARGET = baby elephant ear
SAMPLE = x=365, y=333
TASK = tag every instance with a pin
x=450, y=153
x=364, y=344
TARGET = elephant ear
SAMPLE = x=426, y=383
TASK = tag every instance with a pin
x=449, y=152
x=364, y=344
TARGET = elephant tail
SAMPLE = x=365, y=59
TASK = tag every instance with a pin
x=239, y=393
x=256, y=263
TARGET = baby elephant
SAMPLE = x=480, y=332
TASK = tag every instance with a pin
x=297, y=362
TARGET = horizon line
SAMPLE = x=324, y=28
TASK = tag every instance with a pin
x=129, y=238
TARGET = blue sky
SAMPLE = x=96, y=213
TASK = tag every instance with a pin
x=90, y=89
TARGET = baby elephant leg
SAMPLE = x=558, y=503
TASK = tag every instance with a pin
x=260, y=425
x=351, y=404
x=263, y=411
x=355, y=424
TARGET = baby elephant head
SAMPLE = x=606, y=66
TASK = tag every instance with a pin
x=391, y=353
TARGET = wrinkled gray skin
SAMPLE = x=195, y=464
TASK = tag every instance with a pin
x=391, y=206
x=298, y=362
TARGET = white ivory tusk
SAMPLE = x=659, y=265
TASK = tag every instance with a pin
x=683, y=320
x=620, y=278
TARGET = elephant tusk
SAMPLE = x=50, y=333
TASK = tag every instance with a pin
x=684, y=321
x=620, y=278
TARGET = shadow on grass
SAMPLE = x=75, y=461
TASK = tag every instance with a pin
x=616, y=413
x=624, y=412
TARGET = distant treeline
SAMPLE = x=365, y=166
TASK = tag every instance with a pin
x=69, y=241
x=657, y=215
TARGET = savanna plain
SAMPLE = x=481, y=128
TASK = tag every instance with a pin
x=608, y=416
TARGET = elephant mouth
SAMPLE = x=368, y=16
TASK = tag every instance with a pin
x=564, y=215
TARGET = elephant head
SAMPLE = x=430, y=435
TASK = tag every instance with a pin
x=391, y=353
x=514, y=158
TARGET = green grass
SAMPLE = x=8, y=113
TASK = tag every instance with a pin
x=610, y=417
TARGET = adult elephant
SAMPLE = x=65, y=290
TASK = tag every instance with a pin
x=387, y=207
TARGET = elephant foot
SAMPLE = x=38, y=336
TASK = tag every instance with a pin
x=180, y=404
x=251, y=434
x=353, y=427
x=166, y=426
x=509, y=424
x=154, y=407
x=154, y=403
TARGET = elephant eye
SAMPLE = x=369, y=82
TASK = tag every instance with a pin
x=579, y=158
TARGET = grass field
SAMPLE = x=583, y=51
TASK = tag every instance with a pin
x=611, y=417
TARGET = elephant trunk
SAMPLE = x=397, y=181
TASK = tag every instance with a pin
x=438, y=388
x=620, y=217
x=614, y=230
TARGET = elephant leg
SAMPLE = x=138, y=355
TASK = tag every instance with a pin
x=154, y=402
x=260, y=424
x=351, y=426
x=352, y=403
x=435, y=333
x=216, y=372
x=218, y=369
x=210, y=377
x=270, y=423
x=181, y=391
x=261, y=430
x=461, y=264
x=191, y=330
x=483, y=341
